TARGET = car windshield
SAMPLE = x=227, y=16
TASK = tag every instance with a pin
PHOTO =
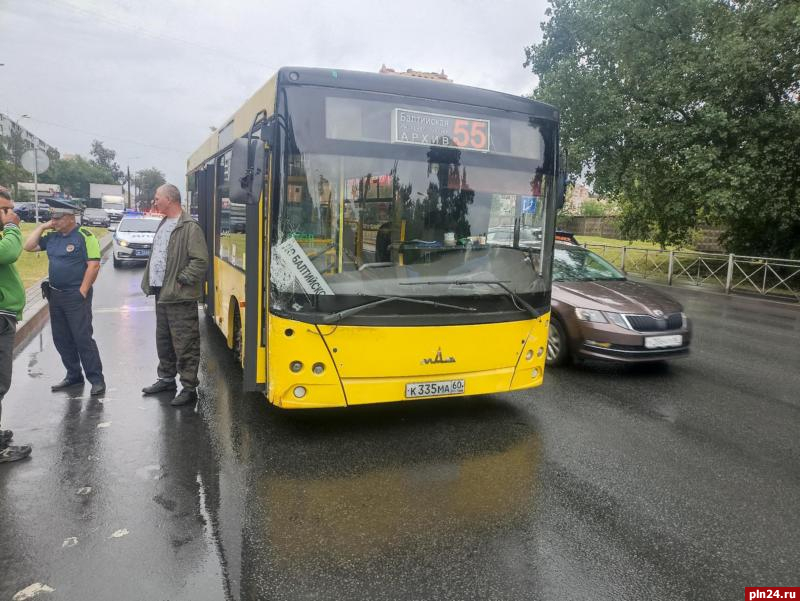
x=95, y=213
x=138, y=225
x=576, y=264
x=114, y=206
x=383, y=218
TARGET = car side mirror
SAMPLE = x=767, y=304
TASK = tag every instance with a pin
x=246, y=170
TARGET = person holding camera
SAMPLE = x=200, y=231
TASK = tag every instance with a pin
x=12, y=301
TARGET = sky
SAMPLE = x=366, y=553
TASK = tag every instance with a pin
x=150, y=77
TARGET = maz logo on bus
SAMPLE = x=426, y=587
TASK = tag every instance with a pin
x=438, y=359
x=432, y=129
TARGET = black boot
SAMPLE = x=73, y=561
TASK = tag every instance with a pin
x=9, y=454
x=187, y=395
x=66, y=383
x=160, y=386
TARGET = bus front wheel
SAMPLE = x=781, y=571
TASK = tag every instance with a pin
x=557, y=343
x=238, y=351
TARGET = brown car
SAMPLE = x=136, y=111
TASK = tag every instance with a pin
x=598, y=313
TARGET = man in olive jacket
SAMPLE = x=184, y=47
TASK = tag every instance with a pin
x=175, y=274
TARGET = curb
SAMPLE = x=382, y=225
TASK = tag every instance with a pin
x=37, y=310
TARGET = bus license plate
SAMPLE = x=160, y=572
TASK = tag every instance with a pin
x=422, y=389
x=663, y=341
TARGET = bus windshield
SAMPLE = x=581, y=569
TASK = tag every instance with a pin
x=372, y=206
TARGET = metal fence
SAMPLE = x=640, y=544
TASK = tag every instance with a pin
x=731, y=273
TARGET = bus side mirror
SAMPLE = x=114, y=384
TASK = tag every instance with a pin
x=246, y=171
x=561, y=180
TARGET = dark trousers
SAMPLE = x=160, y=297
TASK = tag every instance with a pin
x=71, y=321
x=178, y=342
x=8, y=327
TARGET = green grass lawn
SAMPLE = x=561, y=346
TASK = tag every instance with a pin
x=641, y=258
x=32, y=267
x=615, y=242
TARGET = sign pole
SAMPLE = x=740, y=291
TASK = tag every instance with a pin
x=36, y=182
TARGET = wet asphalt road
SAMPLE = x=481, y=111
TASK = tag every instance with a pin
x=676, y=482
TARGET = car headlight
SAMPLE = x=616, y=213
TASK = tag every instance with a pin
x=617, y=319
x=590, y=315
x=123, y=242
x=684, y=320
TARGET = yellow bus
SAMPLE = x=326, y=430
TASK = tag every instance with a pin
x=380, y=238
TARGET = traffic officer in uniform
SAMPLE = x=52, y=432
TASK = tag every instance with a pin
x=74, y=255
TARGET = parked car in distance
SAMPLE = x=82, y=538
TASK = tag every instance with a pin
x=27, y=211
x=598, y=313
x=96, y=217
x=133, y=239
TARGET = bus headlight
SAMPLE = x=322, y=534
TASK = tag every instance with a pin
x=299, y=391
x=296, y=366
x=318, y=368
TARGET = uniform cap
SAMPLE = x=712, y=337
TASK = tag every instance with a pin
x=59, y=206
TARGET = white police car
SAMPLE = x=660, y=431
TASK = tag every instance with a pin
x=133, y=238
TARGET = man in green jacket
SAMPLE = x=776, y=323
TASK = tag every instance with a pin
x=12, y=301
x=175, y=274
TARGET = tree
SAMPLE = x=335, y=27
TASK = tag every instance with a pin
x=147, y=181
x=682, y=111
x=75, y=174
x=593, y=208
x=104, y=158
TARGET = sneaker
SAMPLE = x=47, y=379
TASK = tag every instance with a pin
x=5, y=437
x=9, y=454
x=66, y=383
x=98, y=388
x=187, y=395
x=159, y=386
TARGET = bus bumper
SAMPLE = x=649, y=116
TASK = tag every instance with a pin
x=326, y=366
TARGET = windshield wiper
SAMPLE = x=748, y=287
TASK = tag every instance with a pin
x=515, y=298
x=339, y=315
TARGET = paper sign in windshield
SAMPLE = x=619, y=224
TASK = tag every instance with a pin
x=432, y=129
x=294, y=262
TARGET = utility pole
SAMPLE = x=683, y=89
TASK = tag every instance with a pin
x=130, y=202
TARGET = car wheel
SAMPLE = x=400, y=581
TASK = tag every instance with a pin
x=557, y=344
